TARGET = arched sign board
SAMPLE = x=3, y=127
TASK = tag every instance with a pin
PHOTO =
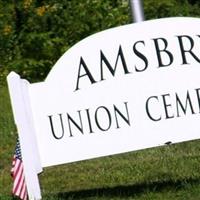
x=119, y=90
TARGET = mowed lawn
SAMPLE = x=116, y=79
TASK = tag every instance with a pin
x=165, y=173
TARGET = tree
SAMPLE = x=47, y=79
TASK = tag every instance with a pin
x=35, y=33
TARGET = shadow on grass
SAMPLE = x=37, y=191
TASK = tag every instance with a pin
x=128, y=190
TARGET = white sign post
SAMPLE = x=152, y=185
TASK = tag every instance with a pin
x=128, y=88
x=19, y=93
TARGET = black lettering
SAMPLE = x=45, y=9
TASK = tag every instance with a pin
x=79, y=127
x=166, y=106
x=140, y=55
x=164, y=50
x=52, y=127
x=87, y=73
x=184, y=108
x=117, y=111
x=148, y=111
x=97, y=119
x=89, y=120
x=184, y=51
x=198, y=97
x=111, y=69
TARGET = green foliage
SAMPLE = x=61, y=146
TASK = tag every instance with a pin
x=171, y=8
x=35, y=33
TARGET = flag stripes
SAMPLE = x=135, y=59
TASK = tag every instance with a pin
x=17, y=172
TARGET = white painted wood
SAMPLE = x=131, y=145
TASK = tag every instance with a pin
x=18, y=89
x=147, y=91
x=57, y=95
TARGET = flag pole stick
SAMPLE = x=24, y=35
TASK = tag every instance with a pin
x=137, y=10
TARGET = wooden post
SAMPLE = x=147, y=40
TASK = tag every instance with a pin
x=18, y=89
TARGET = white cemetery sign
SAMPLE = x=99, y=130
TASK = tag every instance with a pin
x=119, y=90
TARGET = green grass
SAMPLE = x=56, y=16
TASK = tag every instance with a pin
x=164, y=173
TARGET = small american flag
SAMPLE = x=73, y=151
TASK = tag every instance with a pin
x=17, y=172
